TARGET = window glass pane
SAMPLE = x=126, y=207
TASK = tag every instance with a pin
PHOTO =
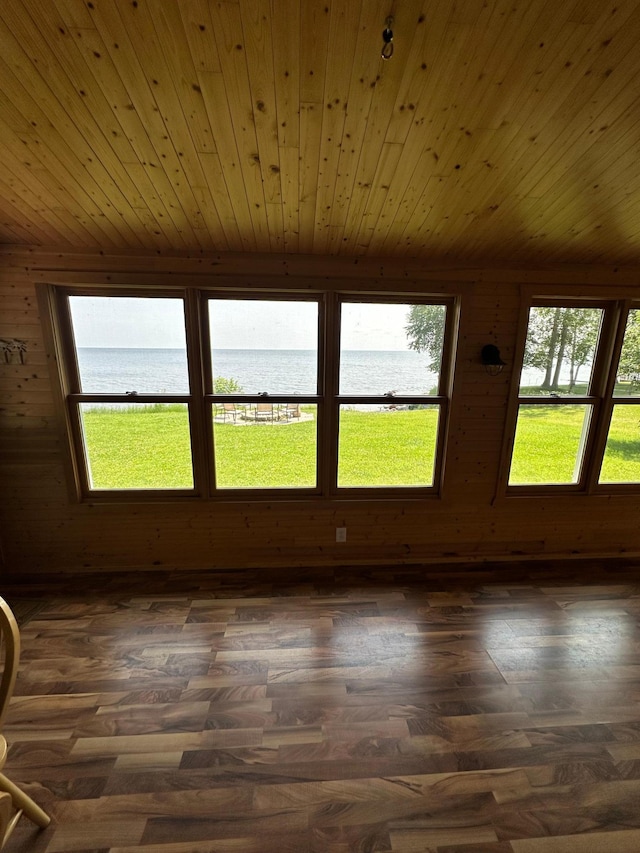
x=137, y=446
x=265, y=445
x=621, y=462
x=387, y=446
x=390, y=348
x=549, y=444
x=262, y=345
x=628, y=376
x=130, y=344
x=560, y=350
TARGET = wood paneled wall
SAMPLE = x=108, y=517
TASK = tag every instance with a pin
x=41, y=530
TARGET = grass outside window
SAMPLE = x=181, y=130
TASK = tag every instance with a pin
x=548, y=444
x=137, y=447
x=148, y=447
x=621, y=463
x=388, y=448
x=140, y=447
x=265, y=455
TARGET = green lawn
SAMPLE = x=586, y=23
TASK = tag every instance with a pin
x=266, y=455
x=391, y=448
x=394, y=448
x=138, y=448
x=548, y=443
x=622, y=457
x=147, y=449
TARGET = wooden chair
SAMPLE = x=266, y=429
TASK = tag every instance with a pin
x=264, y=412
x=292, y=410
x=13, y=802
x=230, y=410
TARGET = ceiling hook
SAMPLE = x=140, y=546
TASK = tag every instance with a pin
x=387, y=38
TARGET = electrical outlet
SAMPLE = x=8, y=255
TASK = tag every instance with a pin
x=341, y=534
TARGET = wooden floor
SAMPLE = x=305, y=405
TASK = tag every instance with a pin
x=482, y=710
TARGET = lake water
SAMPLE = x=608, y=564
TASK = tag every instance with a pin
x=153, y=371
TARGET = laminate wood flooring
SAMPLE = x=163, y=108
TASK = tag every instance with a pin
x=409, y=710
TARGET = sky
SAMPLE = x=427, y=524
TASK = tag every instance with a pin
x=248, y=324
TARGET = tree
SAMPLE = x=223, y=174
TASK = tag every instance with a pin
x=542, y=340
x=561, y=338
x=425, y=330
x=629, y=364
x=584, y=333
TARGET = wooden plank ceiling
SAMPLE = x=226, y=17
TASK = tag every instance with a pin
x=500, y=131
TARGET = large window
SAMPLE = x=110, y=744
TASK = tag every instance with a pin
x=263, y=372
x=391, y=402
x=129, y=392
x=621, y=462
x=203, y=394
x=578, y=415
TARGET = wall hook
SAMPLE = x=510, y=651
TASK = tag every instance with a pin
x=14, y=350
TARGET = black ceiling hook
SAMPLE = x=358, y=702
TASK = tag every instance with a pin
x=387, y=38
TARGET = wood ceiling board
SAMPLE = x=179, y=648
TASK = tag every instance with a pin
x=63, y=122
x=496, y=132
x=212, y=85
x=228, y=27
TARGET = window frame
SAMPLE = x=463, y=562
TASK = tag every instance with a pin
x=601, y=398
x=58, y=327
x=624, y=307
x=442, y=400
x=74, y=397
x=210, y=398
